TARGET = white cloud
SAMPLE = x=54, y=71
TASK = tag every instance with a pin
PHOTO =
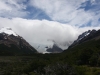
x=42, y=32
x=68, y=11
x=60, y=10
x=12, y=8
x=38, y=32
x=3, y=6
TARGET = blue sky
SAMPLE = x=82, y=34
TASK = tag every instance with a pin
x=64, y=11
x=50, y=19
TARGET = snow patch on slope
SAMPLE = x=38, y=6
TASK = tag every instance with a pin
x=8, y=31
x=83, y=35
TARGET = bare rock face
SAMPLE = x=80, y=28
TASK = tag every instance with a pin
x=13, y=44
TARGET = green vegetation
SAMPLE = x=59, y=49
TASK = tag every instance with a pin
x=87, y=53
x=83, y=59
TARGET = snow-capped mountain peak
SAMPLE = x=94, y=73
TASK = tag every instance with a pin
x=8, y=31
x=86, y=36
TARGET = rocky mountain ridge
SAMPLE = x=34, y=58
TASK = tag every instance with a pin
x=86, y=36
x=12, y=43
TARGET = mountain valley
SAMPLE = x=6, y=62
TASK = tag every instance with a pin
x=81, y=58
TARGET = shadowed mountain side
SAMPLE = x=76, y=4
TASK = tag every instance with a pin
x=14, y=45
x=86, y=36
x=54, y=49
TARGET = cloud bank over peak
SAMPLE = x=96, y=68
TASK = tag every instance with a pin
x=43, y=22
x=42, y=32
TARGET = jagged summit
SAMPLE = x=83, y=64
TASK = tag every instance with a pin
x=86, y=33
x=8, y=31
x=86, y=36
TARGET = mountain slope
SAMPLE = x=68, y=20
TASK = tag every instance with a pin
x=86, y=36
x=13, y=44
x=54, y=49
x=86, y=51
x=81, y=59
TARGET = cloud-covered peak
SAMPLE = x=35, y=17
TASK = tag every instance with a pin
x=38, y=32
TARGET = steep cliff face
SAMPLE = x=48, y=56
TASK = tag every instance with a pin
x=13, y=44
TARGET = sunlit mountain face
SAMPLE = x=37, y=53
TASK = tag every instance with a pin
x=48, y=22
